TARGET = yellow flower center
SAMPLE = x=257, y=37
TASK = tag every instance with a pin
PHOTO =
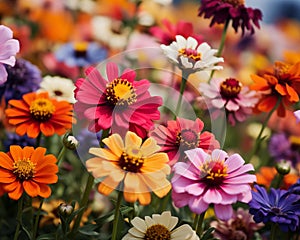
x=131, y=160
x=213, y=172
x=235, y=3
x=24, y=169
x=187, y=139
x=157, y=232
x=41, y=109
x=230, y=88
x=281, y=69
x=190, y=53
x=80, y=49
x=120, y=92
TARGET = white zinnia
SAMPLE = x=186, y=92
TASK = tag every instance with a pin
x=159, y=225
x=191, y=56
x=58, y=87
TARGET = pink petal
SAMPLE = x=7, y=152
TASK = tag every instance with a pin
x=197, y=205
x=112, y=71
x=223, y=212
x=212, y=196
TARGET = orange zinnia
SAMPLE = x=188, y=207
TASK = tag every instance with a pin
x=280, y=82
x=136, y=167
x=28, y=170
x=36, y=113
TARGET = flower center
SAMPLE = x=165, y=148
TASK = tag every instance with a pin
x=41, y=109
x=213, y=172
x=235, y=3
x=230, y=88
x=80, y=49
x=276, y=210
x=281, y=69
x=190, y=53
x=131, y=160
x=121, y=92
x=24, y=169
x=58, y=93
x=187, y=139
x=157, y=232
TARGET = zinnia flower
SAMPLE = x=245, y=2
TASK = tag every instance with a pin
x=37, y=113
x=136, y=165
x=216, y=179
x=181, y=135
x=80, y=54
x=23, y=77
x=188, y=55
x=160, y=226
x=277, y=206
x=8, y=48
x=280, y=83
x=230, y=94
x=222, y=11
x=27, y=169
x=120, y=102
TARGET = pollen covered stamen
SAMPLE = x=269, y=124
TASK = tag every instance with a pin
x=213, y=172
x=281, y=69
x=131, y=162
x=24, y=169
x=230, y=88
x=190, y=53
x=187, y=139
x=41, y=109
x=235, y=3
x=121, y=92
x=157, y=232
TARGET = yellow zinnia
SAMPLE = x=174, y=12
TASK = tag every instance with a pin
x=135, y=166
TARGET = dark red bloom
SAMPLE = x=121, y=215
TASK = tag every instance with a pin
x=222, y=11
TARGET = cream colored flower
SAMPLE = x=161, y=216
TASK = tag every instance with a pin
x=159, y=227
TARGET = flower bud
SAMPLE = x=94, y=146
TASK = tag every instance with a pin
x=283, y=167
x=65, y=209
x=70, y=141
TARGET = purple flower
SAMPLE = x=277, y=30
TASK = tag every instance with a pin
x=277, y=206
x=295, y=188
x=8, y=49
x=14, y=139
x=23, y=78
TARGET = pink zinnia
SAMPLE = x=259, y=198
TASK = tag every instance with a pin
x=216, y=179
x=167, y=33
x=181, y=135
x=231, y=95
x=117, y=102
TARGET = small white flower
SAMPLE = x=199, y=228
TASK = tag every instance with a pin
x=191, y=56
x=159, y=226
x=59, y=88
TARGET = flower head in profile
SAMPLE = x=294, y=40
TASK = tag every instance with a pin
x=181, y=135
x=277, y=206
x=231, y=95
x=132, y=165
x=214, y=178
x=221, y=11
x=80, y=54
x=27, y=169
x=191, y=56
x=159, y=226
x=9, y=48
x=117, y=102
x=38, y=113
x=280, y=83
x=166, y=34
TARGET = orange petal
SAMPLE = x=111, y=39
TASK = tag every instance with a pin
x=45, y=191
x=47, y=129
x=47, y=178
x=16, y=152
x=33, y=130
x=31, y=188
x=16, y=193
x=22, y=128
x=5, y=161
x=281, y=89
x=260, y=84
x=144, y=198
x=130, y=197
x=29, y=97
x=293, y=95
x=267, y=104
x=37, y=154
x=7, y=176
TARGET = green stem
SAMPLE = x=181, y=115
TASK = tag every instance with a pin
x=38, y=140
x=199, y=227
x=36, y=223
x=273, y=231
x=165, y=202
x=221, y=46
x=196, y=220
x=19, y=217
x=182, y=88
x=61, y=155
x=117, y=216
x=277, y=181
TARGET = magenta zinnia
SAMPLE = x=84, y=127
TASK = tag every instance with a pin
x=117, y=102
x=181, y=135
x=216, y=179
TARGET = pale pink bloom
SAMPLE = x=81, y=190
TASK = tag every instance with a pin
x=214, y=178
x=297, y=115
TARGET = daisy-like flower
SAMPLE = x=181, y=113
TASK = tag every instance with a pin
x=188, y=55
x=159, y=226
x=37, y=113
x=181, y=135
x=27, y=169
x=277, y=206
x=119, y=103
x=280, y=83
x=222, y=11
x=80, y=54
x=138, y=166
x=59, y=88
x=231, y=95
x=216, y=179
x=9, y=48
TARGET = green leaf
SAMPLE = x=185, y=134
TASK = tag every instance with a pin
x=208, y=234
